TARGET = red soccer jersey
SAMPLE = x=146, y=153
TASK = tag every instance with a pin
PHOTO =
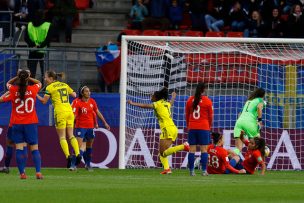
x=218, y=160
x=202, y=117
x=23, y=112
x=8, y=98
x=85, y=113
x=252, y=159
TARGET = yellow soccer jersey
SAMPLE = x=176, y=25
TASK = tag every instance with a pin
x=59, y=92
x=162, y=110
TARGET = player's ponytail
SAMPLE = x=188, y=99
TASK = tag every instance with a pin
x=260, y=145
x=23, y=76
x=216, y=137
x=197, y=96
x=161, y=94
x=258, y=93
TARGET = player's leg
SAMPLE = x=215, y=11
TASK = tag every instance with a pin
x=171, y=133
x=60, y=123
x=18, y=139
x=71, y=137
x=204, y=141
x=31, y=137
x=89, y=150
x=90, y=135
x=164, y=144
x=192, y=140
x=9, y=152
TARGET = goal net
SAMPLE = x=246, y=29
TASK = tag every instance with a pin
x=232, y=68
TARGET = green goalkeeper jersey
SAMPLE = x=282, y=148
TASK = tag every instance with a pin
x=250, y=110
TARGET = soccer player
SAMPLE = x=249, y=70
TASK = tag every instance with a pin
x=64, y=118
x=218, y=157
x=24, y=119
x=85, y=110
x=199, y=118
x=162, y=110
x=255, y=155
x=250, y=120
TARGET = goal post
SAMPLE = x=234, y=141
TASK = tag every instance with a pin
x=232, y=68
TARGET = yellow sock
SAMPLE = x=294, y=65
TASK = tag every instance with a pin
x=172, y=150
x=74, y=144
x=65, y=147
x=164, y=161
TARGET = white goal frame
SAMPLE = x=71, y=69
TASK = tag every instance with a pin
x=123, y=74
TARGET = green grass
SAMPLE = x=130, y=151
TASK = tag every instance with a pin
x=146, y=185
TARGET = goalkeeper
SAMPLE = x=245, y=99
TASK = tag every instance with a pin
x=250, y=120
x=162, y=110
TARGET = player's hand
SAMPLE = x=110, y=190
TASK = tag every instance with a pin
x=107, y=126
x=174, y=95
x=96, y=126
x=260, y=125
x=242, y=171
x=130, y=102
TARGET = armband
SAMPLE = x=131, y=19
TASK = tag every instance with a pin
x=259, y=119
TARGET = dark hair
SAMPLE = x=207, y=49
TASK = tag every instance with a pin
x=258, y=93
x=23, y=76
x=197, y=96
x=260, y=145
x=80, y=91
x=216, y=137
x=161, y=94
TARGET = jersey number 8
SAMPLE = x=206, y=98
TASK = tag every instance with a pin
x=196, y=112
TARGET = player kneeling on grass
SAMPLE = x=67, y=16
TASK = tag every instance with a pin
x=162, y=110
x=218, y=157
x=85, y=110
x=255, y=155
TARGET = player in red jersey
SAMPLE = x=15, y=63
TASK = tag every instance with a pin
x=218, y=157
x=24, y=119
x=199, y=118
x=255, y=155
x=85, y=110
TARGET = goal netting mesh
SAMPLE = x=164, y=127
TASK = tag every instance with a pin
x=231, y=70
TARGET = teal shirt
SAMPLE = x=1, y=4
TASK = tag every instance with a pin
x=250, y=110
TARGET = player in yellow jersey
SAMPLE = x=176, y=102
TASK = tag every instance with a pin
x=162, y=110
x=59, y=93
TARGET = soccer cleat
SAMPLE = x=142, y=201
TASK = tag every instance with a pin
x=205, y=173
x=186, y=146
x=69, y=161
x=23, y=176
x=166, y=172
x=192, y=173
x=89, y=168
x=4, y=170
x=78, y=159
x=73, y=168
x=39, y=176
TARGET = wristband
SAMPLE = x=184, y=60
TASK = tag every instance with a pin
x=259, y=119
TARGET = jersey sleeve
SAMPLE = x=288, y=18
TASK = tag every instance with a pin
x=48, y=90
x=155, y=105
x=95, y=107
x=257, y=155
x=7, y=98
x=75, y=107
x=70, y=90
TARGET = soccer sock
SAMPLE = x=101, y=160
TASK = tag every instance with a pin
x=164, y=161
x=37, y=160
x=89, y=156
x=191, y=157
x=74, y=144
x=233, y=163
x=65, y=147
x=204, y=160
x=25, y=155
x=172, y=150
x=8, y=156
x=84, y=155
x=20, y=159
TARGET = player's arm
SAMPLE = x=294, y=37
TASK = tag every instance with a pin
x=35, y=81
x=100, y=116
x=141, y=105
x=260, y=111
x=43, y=99
x=210, y=114
x=260, y=160
x=172, y=98
x=73, y=94
x=11, y=81
x=5, y=97
x=187, y=111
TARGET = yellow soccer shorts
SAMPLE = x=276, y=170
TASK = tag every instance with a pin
x=64, y=120
x=169, y=132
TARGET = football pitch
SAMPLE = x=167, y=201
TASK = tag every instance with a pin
x=147, y=185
